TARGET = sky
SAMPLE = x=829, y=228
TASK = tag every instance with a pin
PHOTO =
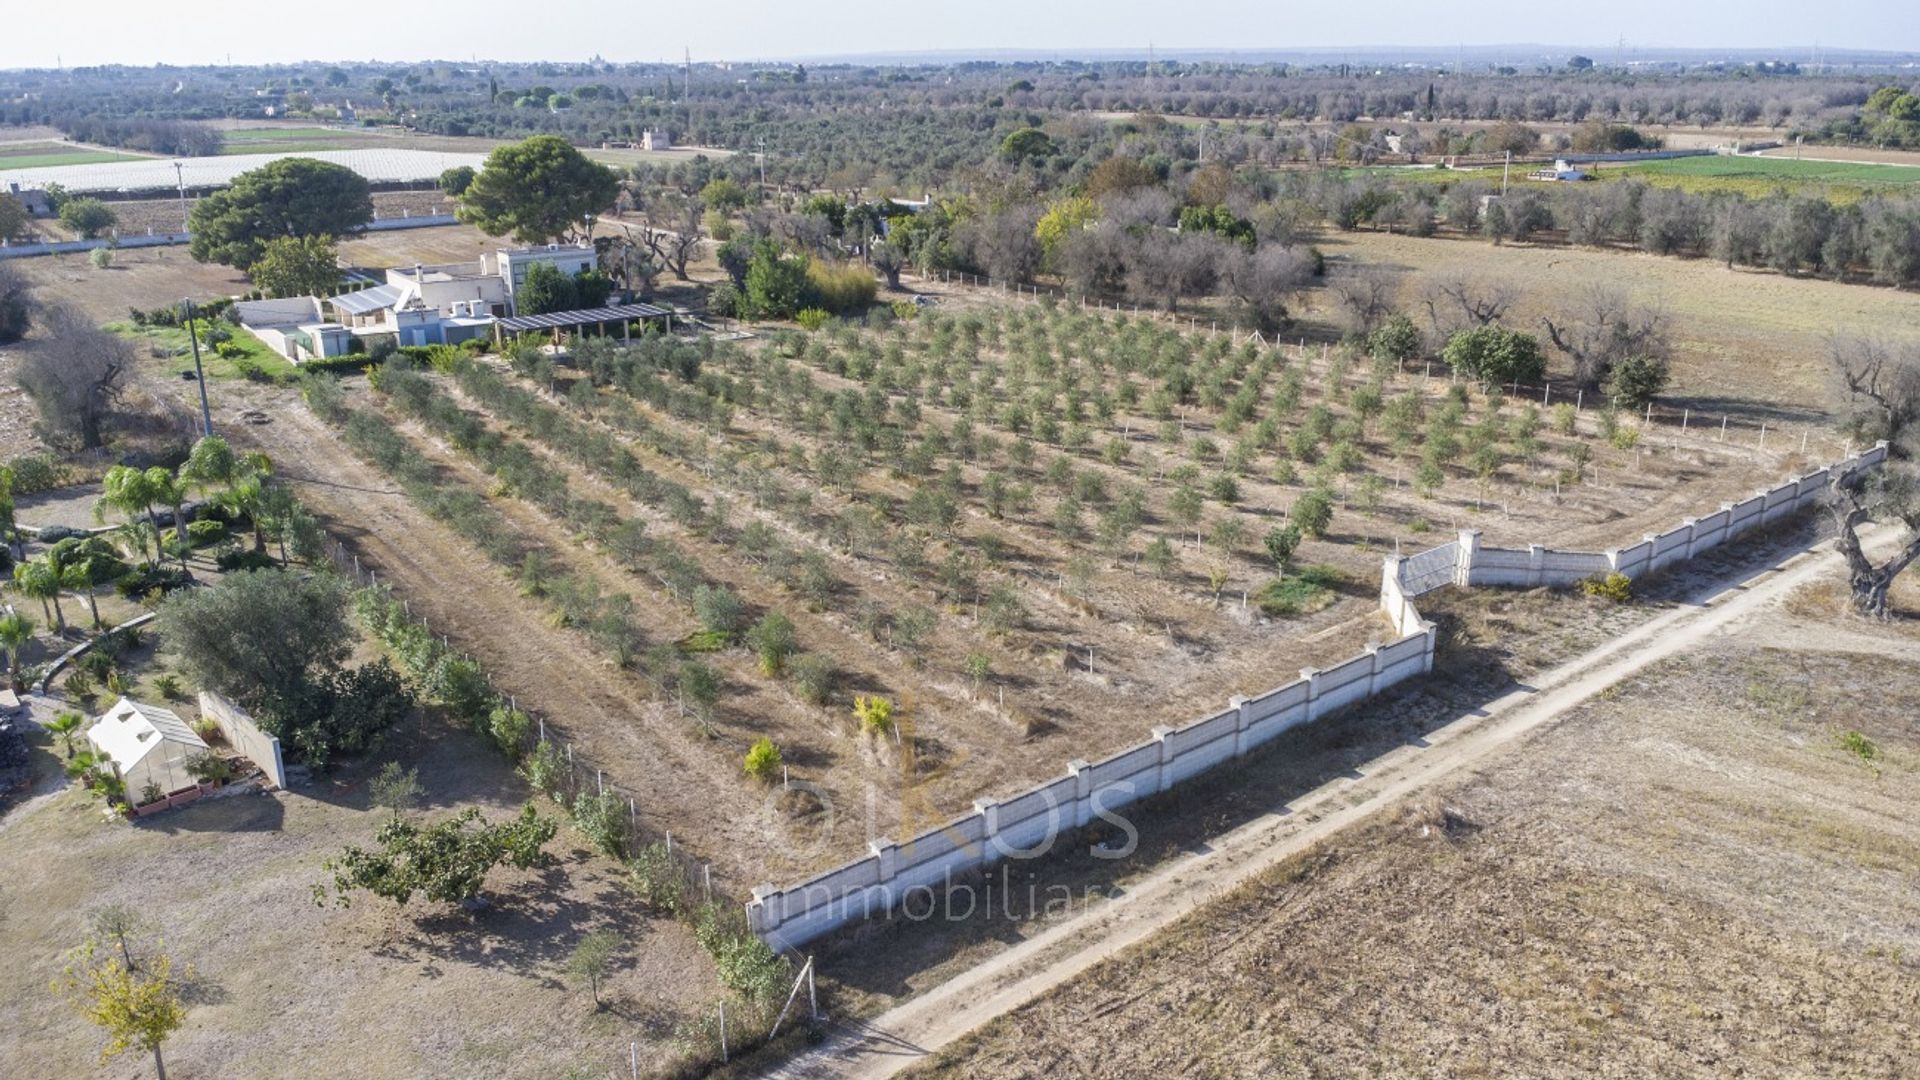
x=41, y=34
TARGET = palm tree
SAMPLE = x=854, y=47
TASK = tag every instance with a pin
x=240, y=478
x=65, y=726
x=40, y=579
x=131, y=492
x=16, y=630
x=169, y=490
x=83, y=577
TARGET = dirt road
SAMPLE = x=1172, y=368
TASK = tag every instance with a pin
x=899, y=1038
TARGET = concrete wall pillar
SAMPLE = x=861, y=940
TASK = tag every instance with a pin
x=761, y=916
x=888, y=853
x=1373, y=668
x=1432, y=633
x=1536, y=562
x=1163, y=775
x=989, y=828
x=1469, y=551
x=1082, y=774
x=1311, y=676
x=1693, y=534
x=1240, y=722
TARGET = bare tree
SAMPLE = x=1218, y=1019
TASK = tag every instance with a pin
x=1607, y=328
x=16, y=302
x=1883, y=382
x=1461, y=303
x=1003, y=244
x=1166, y=266
x=628, y=260
x=673, y=232
x=1365, y=293
x=1851, y=502
x=1266, y=281
x=76, y=374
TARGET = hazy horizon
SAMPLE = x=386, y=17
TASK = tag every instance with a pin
x=200, y=32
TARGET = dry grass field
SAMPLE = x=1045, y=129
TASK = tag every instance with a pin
x=1709, y=872
x=282, y=986
x=1749, y=341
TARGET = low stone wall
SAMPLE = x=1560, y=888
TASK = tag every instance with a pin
x=1027, y=822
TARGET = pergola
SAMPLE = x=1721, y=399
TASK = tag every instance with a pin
x=557, y=321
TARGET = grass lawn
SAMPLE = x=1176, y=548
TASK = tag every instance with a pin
x=250, y=358
x=44, y=154
x=1843, y=181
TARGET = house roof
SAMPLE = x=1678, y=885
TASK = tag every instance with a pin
x=285, y=312
x=582, y=317
x=130, y=731
x=370, y=300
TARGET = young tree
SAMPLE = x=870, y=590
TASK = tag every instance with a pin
x=137, y=1010
x=538, y=190
x=13, y=217
x=298, y=266
x=394, y=789
x=289, y=197
x=1281, y=542
x=41, y=580
x=16, y=630
x=546, y=290
x=64, y=726
x=447, y=862
x=1312, y=512
x=593, y=957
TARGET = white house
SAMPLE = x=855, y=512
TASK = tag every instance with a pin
x=512, y=265
x=147, y=745
x=294, y=327
x=449, y=303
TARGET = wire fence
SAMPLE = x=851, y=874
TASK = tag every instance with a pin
x=1722, y=427
x=580, y=776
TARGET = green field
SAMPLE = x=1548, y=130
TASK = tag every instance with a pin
x=44, y=154
x=1763, y=174
x=268, y=140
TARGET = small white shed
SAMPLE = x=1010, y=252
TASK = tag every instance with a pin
x=147, y=745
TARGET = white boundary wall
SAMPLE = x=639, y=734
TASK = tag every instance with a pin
x=245, y=736
x=881, y=880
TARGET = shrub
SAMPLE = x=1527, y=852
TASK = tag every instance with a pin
x=1616, y=587
x=719, y=610
x=1495, y=354
x=656, y=878
x=168, y=686
x=547, y=771
x=204, y=532
x=509, y=728
x=874, y=713
x=811, y=318
x=604, y=819
x=243, y=559
x=812, y=678
x=763, y=760
x=840, y=287
x=1310, y=590
x=209, y=768
x=207, y=728
x=1624, y=437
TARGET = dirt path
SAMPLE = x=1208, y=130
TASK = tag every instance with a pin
x=904, y=1035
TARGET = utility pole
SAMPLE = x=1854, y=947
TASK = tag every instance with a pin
x=1505, y=170
x=199, y=373
x=180, y=181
